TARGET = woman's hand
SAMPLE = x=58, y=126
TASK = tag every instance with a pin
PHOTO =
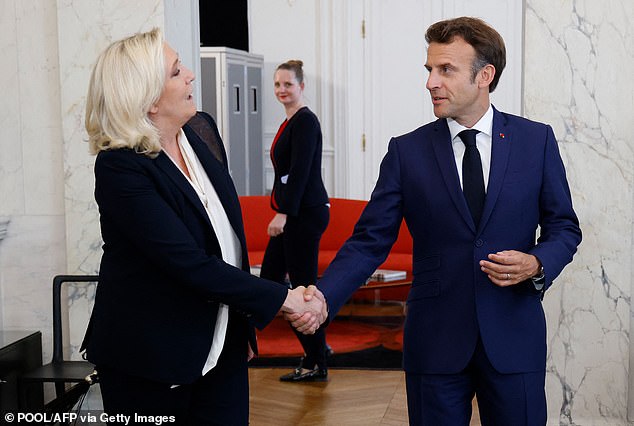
x=276, y=227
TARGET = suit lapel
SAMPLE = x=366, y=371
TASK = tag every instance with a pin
x=447, y=164
x=164, y=163
x=222, y=183
x=501, y=140
x=220, y=180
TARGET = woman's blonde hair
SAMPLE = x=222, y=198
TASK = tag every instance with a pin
x=126, y=81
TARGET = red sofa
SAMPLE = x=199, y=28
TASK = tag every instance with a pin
x=344, y=213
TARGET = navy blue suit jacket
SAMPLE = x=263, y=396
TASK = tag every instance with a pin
x=162, y=275
x=452, y=301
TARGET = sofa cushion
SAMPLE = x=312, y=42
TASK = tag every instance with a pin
x=344, y=214
x=256, y=215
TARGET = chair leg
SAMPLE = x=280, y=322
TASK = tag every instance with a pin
x=30, y=396
x=60, y=389
x=67, y=400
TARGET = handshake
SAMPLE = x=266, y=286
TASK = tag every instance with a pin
x=305, y=308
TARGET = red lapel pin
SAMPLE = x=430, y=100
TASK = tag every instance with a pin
x=502, y=135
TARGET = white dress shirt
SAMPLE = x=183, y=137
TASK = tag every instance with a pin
x=483, y=143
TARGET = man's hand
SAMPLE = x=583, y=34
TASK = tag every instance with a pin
x=510, y=267
x=250, y=352
x=305, y=309
x=299, y=321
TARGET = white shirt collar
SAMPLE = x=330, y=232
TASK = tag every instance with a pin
x=484, y=125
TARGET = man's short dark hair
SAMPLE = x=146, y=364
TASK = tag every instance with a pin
x=486, y=41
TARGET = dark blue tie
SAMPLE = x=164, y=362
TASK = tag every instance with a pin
x=472, y=177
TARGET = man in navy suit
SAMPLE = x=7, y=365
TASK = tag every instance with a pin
x=475, y=323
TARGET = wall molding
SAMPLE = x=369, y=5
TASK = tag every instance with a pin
x=358, y=108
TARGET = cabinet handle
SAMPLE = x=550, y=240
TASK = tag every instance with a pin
x=236, y=90
x=254, y=99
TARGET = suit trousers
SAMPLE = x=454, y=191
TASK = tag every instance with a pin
x=503, y=399
x=220, y=397
x=295, y=252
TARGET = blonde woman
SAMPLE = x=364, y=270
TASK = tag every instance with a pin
x=172, y=327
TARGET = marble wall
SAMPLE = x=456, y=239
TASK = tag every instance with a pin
x=578, y=77
x=31, y=172
x=84, y=31
x=46, y=179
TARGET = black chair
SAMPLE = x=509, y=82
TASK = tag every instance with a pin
x=71, y=378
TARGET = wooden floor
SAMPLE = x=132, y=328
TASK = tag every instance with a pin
x=350, y=397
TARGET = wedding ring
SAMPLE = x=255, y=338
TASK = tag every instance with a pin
x=508, y=276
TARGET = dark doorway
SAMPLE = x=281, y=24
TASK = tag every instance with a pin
x=224, y=23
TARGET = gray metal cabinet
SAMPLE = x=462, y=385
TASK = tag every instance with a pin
x=231, y=83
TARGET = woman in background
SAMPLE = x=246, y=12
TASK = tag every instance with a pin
x=171, y=331
x=301, y=202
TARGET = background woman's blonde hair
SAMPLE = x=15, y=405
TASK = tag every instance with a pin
x=126, y=81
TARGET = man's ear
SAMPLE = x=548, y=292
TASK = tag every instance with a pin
x=153, y=109
x=485, y=75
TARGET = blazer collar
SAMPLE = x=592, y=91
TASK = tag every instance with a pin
x=501, y=142
x=443, y=150
x=164, y=163
x=221, y=180
x=217, y=175
x=501, y=139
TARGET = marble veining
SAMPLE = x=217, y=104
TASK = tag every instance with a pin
x=84, y=31
x=4, y=225
x=576, y=54
x=80, y=298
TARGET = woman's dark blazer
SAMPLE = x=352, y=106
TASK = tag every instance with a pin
x=162, y=275
x=297, y=162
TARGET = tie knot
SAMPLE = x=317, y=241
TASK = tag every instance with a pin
x=469, y=136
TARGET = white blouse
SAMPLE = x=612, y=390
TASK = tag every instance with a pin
x=227, y=238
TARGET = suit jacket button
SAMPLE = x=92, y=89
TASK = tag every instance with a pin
x=479, y=243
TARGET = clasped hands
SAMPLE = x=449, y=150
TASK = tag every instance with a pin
x=305, y=308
